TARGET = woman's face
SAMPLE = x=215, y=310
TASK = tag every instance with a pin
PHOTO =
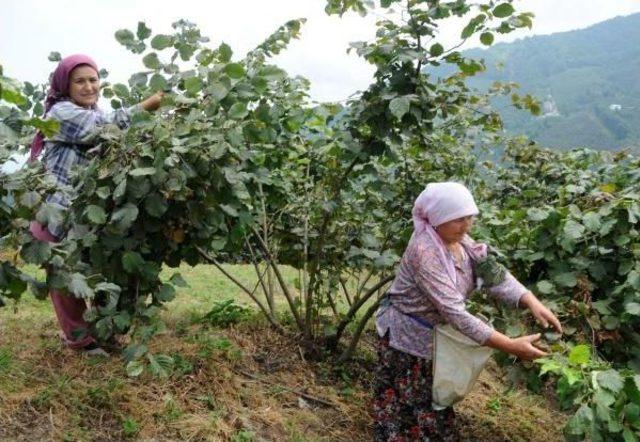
x=84, y=86
x=453, y=231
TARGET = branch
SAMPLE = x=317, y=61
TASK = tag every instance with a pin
x=281, y=281
x=348, y=352
x=290, y=390
x=346, y=292
x=257, y=269
x=211, y=260
x=356, y=306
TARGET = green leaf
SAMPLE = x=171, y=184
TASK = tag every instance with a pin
x=36, y=252
x=143, y=32
x=567, y=279
x=225, y=52
x=217, y=90
x=142, y=171
x=152, y=61
x=580, y=354
x=234, y=70
x=135, y=368
x=108, y=287
x=54, y=56
x=79, y=287
x=503, y=10
x=571, y=375
x=238, y=111
x=158, y=83
x=177, y=280
x=229, y=210
x=272, y=73
x=48, y=127
x=632, y=414
x=155, y=205
x=573, y=229
x=580, y=422
x=591, y=221
x=12, y=96
x=160, y=365
x=468, y=30
x=96, y=214
x=535, y=214
x=160, y=42
x=134, y=351
x=103, y=192
x=49, y=214
x=125, y=36
x=138, y=79
x=436, y=50
x=629, y=436
x=193, y=85
x=120, y=190
x=30, y=199
x=611, y=380
x=132, y=262
x=633, y=308
x=399, y=106
x=545, y=287
x=122, y=321
x=166, y=293
x=120, y=90
x=104, y=327
x=486, y=38
x=125, y=216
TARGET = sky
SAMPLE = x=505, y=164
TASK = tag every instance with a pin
x=30, y=30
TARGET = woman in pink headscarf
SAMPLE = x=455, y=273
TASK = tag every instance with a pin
x=72, y=101
x=436, y=276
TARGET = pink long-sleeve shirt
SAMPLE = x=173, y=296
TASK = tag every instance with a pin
x=422, y=289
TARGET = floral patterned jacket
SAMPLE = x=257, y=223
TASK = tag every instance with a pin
x=422, y=295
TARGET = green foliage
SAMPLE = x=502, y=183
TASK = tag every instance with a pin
x=237, y=163
x=567, y=223
x=225, y=313
x=130, y=427
x=606, y=399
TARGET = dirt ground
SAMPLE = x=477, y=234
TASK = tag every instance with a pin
x=242, y=383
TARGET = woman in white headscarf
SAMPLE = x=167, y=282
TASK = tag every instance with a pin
x=436, y=275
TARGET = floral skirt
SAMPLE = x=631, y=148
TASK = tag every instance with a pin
x=402, y=403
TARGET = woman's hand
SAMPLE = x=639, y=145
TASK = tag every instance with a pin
x=524, y=349
x=521, y=347
x=542, y=314
x=153, y=102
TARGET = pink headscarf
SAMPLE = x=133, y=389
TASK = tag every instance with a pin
x=59, y=91
x=439, y=203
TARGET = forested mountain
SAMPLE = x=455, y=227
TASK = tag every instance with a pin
x=588, y=82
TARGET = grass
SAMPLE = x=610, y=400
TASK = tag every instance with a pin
x=48, y=392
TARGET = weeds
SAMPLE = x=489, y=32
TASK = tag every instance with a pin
x=130, y=427
x=5, y=360
x=225, y=313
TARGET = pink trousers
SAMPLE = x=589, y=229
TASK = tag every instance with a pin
x=68, y=308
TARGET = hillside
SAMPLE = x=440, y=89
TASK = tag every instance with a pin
x=587, y=80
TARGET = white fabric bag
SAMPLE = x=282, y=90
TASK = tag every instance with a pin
x=457, y=363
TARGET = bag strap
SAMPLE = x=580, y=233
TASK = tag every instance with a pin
x=420, y=320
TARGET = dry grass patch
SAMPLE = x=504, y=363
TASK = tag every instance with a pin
x=242, y=383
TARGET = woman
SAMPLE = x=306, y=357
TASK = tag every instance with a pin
x=72, y=101
x=434, y=279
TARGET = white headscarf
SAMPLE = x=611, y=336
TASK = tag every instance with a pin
x=442, y=202
x=439, y=203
